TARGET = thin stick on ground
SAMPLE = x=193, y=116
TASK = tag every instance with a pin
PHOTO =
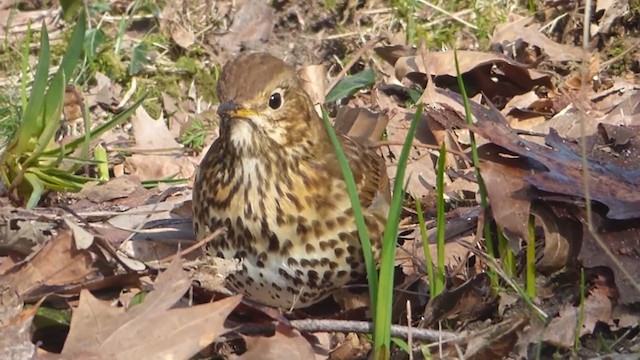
x=363, y=327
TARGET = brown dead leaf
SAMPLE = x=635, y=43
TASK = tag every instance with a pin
x=58, y=265
x=361, y=124
x=623, y=240
x=610, y=184
x=105, y=92
x=508, y=191
x=167, y=160
x=153, y=329
x=252, y=25
x=597, y=307
x=613, y=10
x=314, y=82
x=392, y=53
x=115, y=188
x=152, y=134
x=488, y=73
x=471, y=300
x=158, y=167
x=287, y=342
x=497, y=343
x=527, y=30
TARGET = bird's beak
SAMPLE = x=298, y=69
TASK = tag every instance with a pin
x=230, y=110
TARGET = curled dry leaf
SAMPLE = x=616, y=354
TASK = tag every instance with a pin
x=57, y=266
x=488, y=73
x=149, y=330
x=360, y=124
x=524, y=30
x=562, y=172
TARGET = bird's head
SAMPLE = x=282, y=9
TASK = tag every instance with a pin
x=262, y=105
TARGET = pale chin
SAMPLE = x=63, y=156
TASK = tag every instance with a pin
x=241, y=133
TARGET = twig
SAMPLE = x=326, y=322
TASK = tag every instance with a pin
x=425, y=146
x=363, y=327
x=353, y=60
x=195, y=246
x=620, y=56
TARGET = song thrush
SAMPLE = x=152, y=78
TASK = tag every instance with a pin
x=272, y=179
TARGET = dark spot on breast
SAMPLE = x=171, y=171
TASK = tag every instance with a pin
x=313, y=277
x=302, y=229
x=323, y=245
x=274, y=244
x=342, y=273
x=287, y=245
x=325, y=262
x=310, y=249
x=330, y=224
x=342, y=220
x=305, y=263
x=292, y=262
x=339, y=252
x=317, y=228
x=351, y=249
x=327, y=275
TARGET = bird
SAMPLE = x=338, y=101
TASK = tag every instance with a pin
x=273, y=180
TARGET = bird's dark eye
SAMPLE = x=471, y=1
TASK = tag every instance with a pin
x=275, y=101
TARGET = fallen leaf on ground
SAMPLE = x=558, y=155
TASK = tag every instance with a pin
x=153, y=329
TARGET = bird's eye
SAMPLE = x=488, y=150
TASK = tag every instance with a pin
x=275, y=101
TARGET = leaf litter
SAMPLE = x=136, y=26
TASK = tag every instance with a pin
x=116, y=241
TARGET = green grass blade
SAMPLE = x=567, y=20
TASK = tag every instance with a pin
x=372, y=274
x=95, y=133
x=531, y=258
x=382, y=320
x=476, y=165
x=52, y=123
x=100, y=155
x=37, y=187
x=24, y=79
x=74, y=48
x=31, y=123
x=425, y=247
x=55, y=182
x=439, y=279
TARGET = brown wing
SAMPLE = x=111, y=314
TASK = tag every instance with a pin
x=370, y=174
